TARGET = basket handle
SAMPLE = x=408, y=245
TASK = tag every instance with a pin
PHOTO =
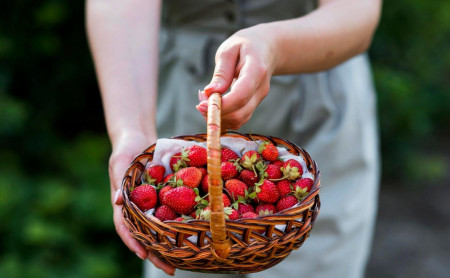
x=221, y=244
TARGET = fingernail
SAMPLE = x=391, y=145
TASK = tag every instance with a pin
x=116, y=196
x=202, y=108
x=202, y=96
x=139, y=256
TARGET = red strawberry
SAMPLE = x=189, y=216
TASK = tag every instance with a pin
x=228, y=154
x=236, y=188
x=181, y=199
x=302, y=187
x=203, y=171
x=193, y=214
x=176, y=162
x=231, y=213
x=162, y=194
x=265, y=209
x=229, y=170
x=204, y=184
x=278, y=163
x=249, y=214
x=248, y=177
x=243, y=208
x=226, y=200
x=285, y=187
x=249, y=159
x=292, y=169
x=286, y=202
x=273, y=172
x=168, y=178
x=267, y=192
x=164, y=213
x=189, y=176
x=268, y=151
x=155, y=174
x=179, y=219
x=144, y=197
x=194, y=156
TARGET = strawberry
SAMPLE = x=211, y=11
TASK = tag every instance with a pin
x=164, y=213
x=203, y=171
x=179, y=219
x=226, y=200
x=168, y=179
x=244, y=207
x=285, y=187
x=286, y=202
x=204, y=184
x=278, y=163
x=265, y=209
x=273, y=172
x=144, y=197
x=268, y=151
x=194, y=156
x=205, y=214
x=181, y=199
x=248, y=177
x=162, y=194
x=249, y=160
x=249, y=214
x=176, y=162
x=229, y=170
x=228, y=154
x=236, y=188
x=231, y=213
x=189, y=176
x=292, y=169
x=193, y=214
x=302, y=187
x=155, y=174
x=267, y=192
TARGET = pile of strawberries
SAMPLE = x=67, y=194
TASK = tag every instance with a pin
x=257, y=183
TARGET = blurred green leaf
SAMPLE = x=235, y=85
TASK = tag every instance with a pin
x=13, y=114
x=51, y=13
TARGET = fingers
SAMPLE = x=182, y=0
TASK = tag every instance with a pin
x=125, y=235
x=251, y=77
x=226, y=60
x=168, y=269
x=118, y=199
x=134, y=245
x=251, y=87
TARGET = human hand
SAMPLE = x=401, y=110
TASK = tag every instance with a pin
x=247, y=57
x=124, y=151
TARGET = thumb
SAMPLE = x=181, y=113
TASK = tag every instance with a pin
x=226, y=61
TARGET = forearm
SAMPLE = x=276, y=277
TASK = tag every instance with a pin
x=123, y=37
x=335, y=32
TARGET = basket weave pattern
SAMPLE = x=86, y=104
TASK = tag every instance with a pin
x=251, y=245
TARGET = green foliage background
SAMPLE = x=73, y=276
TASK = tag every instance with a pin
x=55, y=215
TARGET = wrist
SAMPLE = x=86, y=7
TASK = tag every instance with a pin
x=274, y=53
x=137, y=136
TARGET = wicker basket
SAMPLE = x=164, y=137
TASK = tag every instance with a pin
x=222, y=246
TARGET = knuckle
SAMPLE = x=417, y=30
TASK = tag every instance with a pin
x=262, y=69
x=220, y=73
x=235, y=120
